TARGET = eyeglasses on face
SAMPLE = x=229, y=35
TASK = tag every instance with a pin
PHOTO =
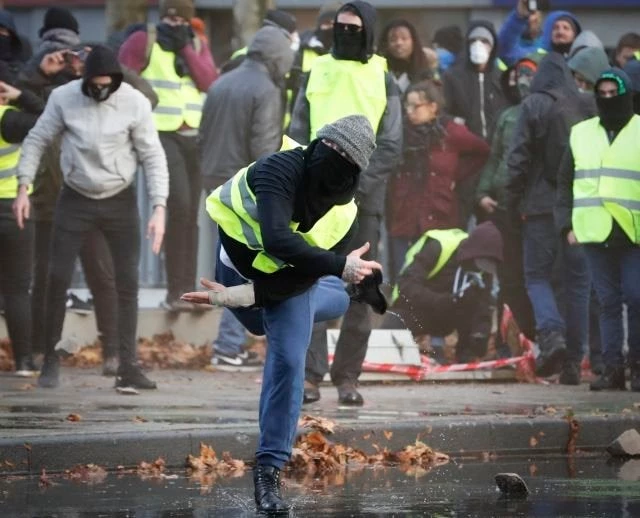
x=348, y=27
x=410, y=107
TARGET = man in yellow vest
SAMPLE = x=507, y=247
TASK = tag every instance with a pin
x=351, y=79
x=18, y=113
x=445, y=285
x=598, y=205
x=285, y=224
x=180, y=69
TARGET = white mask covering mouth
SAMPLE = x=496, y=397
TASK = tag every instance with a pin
x=478, y=53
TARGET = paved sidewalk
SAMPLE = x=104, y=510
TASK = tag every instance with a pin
x=221, y=409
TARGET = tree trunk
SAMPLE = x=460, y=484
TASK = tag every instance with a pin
x=247, y=17
x=122, y=13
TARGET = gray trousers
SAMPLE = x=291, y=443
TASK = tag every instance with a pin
x=351, y=348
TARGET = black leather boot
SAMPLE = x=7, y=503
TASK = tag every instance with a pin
x=611, y=379
x=348, y=395
x=553, y=350
x=266, y=481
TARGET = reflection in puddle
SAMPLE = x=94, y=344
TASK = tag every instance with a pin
x=462, y=488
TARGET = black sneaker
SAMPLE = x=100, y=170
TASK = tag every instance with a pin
x=553, y=351
x=570, y=374
x=131, y=376
x=25, y=368
x=246, y=361
x=50, y=372
x=612, y=379
x=266, y=483
x=77, y=305
x=368, y=292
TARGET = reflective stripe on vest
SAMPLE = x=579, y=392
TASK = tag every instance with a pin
x=606, y=183
x=233, y=207
x=337, y=88
x=9, y=158
x=449, y=241
x=179, y=101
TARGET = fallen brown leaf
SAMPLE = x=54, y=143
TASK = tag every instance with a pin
x=43, y=481
x=155, y=469
x=388, y=435
x=317, y=423
x=74, y=418
x=138, y=419
x=533, y=442
x=86, y=473
x=574, y=430
x=26, y=386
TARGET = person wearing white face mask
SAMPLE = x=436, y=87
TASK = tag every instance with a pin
x=473, y=93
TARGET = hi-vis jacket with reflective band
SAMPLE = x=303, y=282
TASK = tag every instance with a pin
x=233, y=207
x=9, y=158
x=606, y=184
x=449, y=241
x=179, y=101
x=339, y=87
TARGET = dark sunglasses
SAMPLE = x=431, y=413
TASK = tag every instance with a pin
x=348, y=27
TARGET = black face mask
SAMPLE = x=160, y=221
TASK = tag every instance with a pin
x=333, y=180
x=615, y=112
x=6, y=49
x=99, y=93
x=325, y=36
x=349, y=45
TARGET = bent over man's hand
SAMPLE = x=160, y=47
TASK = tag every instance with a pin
x=356, y=269
x=155, y=229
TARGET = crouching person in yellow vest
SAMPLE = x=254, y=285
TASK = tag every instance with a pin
x=445, y=285
x=598, y=205
x=285, y=223
x=16, y=244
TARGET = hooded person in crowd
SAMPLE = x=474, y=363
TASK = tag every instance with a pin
x=537, y=149
x=448, y=42
x=491, y=195
x=560, y=30
x=586, y=65
x=249, y=104
x=285, y=225
x=598, y=206
x=445, y=285
x=400, y=45
x=11, y=48
x=335, y=87
x=180, y=69
x=520, y=34
x=106, y=128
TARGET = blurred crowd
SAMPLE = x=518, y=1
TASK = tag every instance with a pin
x=507, y=172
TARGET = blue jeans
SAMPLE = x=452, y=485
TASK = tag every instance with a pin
x=616, y=279
x=287, y=326
x=542, y=247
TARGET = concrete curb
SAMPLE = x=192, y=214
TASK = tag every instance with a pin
x=458, y=436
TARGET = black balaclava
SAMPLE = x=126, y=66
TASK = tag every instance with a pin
x=615, y=112
x=331, y=180
x=101, y=61
x=355, y=46
x=7, y=48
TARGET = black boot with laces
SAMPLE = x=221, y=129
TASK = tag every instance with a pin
x=266, y=480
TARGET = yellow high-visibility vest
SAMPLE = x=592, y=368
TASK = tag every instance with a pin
x=9, y=158
x=179, y=101
x=449, y=241
x=339, y=87
x=233, y=207
x=606, y=183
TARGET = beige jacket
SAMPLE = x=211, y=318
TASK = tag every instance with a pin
x=102, y=143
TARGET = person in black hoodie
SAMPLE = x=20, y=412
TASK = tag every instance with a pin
x=333, y=88
x=285, y=223
x=539, y=143
x=11, y=47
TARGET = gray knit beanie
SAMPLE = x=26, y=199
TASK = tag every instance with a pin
x=354, y=135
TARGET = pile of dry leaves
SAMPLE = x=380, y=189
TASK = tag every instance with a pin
x=207, y=467
x=6, y=356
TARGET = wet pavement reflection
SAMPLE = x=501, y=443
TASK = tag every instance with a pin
x=579, y=486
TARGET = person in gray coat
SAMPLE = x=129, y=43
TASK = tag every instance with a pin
x=242, y=120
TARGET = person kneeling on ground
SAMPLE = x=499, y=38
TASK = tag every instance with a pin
x=445, y=285
x=285, y=223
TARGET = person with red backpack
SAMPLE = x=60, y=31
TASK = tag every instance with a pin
x=180, y=69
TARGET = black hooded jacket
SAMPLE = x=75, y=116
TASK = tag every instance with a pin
x=14, y=57
x=463, y=87
x=541, y=137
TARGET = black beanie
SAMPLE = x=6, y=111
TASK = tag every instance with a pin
x=449, y=38
x=59, y=18
x=102, y=61
x=281, y=19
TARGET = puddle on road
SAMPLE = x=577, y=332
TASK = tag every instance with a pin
x=578, y=487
